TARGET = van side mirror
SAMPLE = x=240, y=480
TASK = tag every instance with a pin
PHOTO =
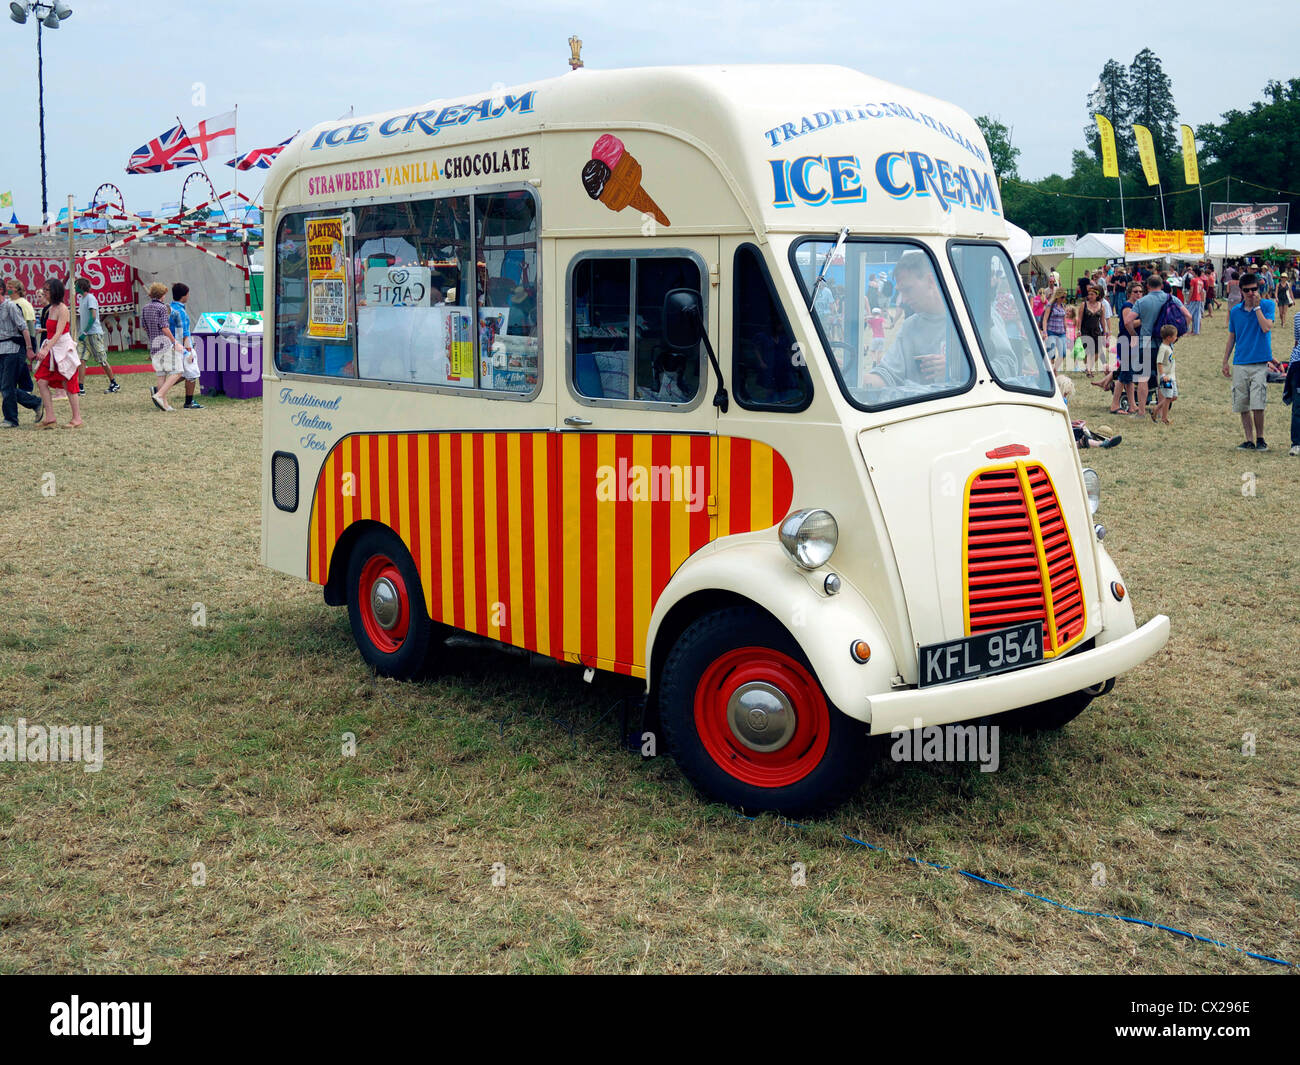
x=683, y=322
x=684, y=331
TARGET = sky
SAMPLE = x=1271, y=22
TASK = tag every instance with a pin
x=119, y=72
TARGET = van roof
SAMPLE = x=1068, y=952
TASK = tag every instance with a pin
x=805, y=148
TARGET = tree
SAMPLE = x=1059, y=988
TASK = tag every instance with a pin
x=1110, y=97
x=1002, y=154
x=1261, y=145
x=1151, y=104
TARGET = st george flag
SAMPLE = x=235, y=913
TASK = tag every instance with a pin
x=214, y=135
x=261, y=158
x=167, y=152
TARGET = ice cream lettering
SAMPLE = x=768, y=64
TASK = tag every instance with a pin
x=613, y=176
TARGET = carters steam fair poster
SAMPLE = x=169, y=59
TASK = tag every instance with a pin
x=327, y=277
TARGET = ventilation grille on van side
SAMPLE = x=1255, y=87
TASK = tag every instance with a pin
x=284, y=480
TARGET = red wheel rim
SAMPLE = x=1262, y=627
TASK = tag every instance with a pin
x=380, y=578
x=743, y=670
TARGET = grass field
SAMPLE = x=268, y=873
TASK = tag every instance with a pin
x=223, y=746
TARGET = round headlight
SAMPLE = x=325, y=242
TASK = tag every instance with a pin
x=1092, y=485
x=809, y=537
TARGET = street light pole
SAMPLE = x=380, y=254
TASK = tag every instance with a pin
x=48, y=16
x=40, y=98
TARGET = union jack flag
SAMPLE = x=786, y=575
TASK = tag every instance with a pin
x=261, y=158
x=167, y=152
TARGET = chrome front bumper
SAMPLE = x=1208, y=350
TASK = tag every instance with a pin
x=942, y=704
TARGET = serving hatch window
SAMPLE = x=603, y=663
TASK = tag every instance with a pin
x=444, y=293
x=882, y=312
x=1007, y=335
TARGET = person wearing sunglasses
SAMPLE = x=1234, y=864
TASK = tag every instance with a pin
x=1250, y=349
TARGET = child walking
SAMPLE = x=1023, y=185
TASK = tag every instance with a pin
x=1072, y=336
x=1168, y=387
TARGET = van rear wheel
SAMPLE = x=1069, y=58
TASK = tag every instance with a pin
x=390, y=624
x=748, y=722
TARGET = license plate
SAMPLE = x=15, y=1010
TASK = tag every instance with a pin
x=980, y=656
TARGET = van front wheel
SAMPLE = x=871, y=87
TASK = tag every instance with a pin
x=748, y=722
x=392, y=629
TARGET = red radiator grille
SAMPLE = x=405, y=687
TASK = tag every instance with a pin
x=1015, y=572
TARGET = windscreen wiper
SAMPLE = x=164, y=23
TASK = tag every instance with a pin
x=821, y=276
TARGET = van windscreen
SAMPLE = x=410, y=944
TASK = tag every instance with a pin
x=885, y=320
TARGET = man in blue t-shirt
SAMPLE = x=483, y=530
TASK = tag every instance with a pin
x=1250, y=333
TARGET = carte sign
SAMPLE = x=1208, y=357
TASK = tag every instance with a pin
x=1249, y=217
x=1164, y=242
x=327, y=278
x=110, y=278
x=398, y=286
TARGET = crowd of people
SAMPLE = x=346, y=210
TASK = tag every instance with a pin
x=1121, y=329
x=38, y=355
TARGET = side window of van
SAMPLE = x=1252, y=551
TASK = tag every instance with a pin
x=770, y=372
x=421, y=305
x=616, y=307
x=313, y=332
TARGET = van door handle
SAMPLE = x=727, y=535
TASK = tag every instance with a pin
x=574, y=420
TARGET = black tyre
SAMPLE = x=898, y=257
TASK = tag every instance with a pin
x=748, y=722
x=390, y=624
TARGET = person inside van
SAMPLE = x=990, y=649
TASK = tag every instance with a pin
x=927, y=350
x=919, y=354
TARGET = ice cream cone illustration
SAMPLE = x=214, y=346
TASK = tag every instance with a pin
x=613, y=176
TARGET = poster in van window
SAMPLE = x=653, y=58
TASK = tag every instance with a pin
x=327, y=278
x=492, y=323
x=460, y=345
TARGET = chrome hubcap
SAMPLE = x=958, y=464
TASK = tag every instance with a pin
x=761, y=716
x=384, y=603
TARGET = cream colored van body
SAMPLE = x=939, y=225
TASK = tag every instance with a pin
x=492, y=489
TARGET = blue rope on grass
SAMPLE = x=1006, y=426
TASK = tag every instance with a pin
x=1052, y=902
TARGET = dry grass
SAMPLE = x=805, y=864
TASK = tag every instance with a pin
x=223, y=747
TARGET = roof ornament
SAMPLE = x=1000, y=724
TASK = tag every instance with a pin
x=575, y=49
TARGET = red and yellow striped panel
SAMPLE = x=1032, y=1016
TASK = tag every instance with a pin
x=556, y=542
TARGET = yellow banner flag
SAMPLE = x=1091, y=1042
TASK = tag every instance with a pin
x=1147, y=153
x=1109, y=157
x=1191, y=172
x=6, y=199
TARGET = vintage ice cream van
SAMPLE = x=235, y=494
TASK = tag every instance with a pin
x=719, y=378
